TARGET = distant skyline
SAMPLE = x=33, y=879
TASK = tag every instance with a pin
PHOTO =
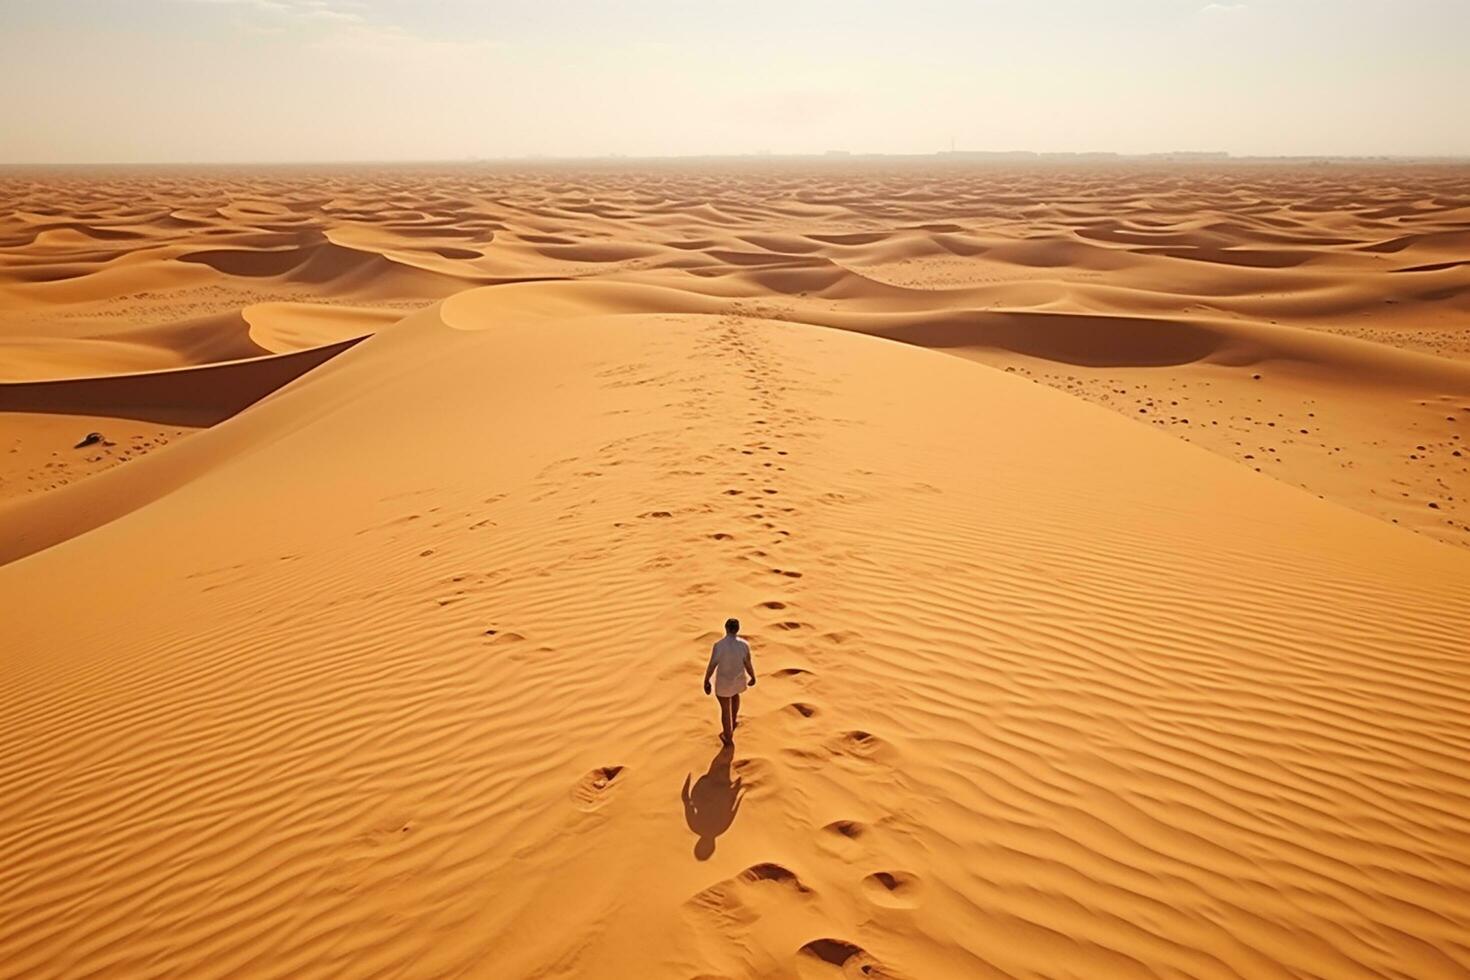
x=234, y=81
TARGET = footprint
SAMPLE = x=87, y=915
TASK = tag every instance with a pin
x=731, y=899
x=787, y=573
x=789, y=625
x=722, y=536
x=767, y=871
x=755, y=773
x=592, y=789
x=773, y=604
x=845, y=839
x=805, y=710
x=851, y=829
x=859, y=745
x=790, y=672
x=656, y=513
x=892, y=889
x=838, y=952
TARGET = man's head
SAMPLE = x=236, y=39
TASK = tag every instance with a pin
x=732, y=626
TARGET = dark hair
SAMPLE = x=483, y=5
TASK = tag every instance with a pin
x=732, y=625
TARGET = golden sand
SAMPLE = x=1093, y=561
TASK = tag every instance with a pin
x=382, y=653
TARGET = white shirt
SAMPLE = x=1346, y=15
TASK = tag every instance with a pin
x=728, y=658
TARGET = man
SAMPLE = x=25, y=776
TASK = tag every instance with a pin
x=729, y=662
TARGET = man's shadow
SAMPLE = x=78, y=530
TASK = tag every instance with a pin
x=711, y=803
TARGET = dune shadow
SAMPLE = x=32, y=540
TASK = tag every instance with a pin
x=195, y=395
x=711, y=803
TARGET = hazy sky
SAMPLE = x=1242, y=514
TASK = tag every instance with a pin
x=256, y=80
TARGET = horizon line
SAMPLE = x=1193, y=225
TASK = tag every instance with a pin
x=1180, y=156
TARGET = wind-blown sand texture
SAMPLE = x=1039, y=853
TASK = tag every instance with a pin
x=381, y=654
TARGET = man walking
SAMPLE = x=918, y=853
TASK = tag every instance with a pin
x=729, y=662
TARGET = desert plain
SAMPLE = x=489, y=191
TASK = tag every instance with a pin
x=1101, y=533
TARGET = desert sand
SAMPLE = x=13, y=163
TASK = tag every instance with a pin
x=1101, y=535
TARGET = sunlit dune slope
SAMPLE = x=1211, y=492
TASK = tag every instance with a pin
x=409, y=679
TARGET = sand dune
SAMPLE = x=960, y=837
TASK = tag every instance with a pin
x=381, y=653
x=1008, y=692
x=1371, y=254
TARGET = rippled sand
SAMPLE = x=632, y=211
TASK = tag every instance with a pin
x=382, y=652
